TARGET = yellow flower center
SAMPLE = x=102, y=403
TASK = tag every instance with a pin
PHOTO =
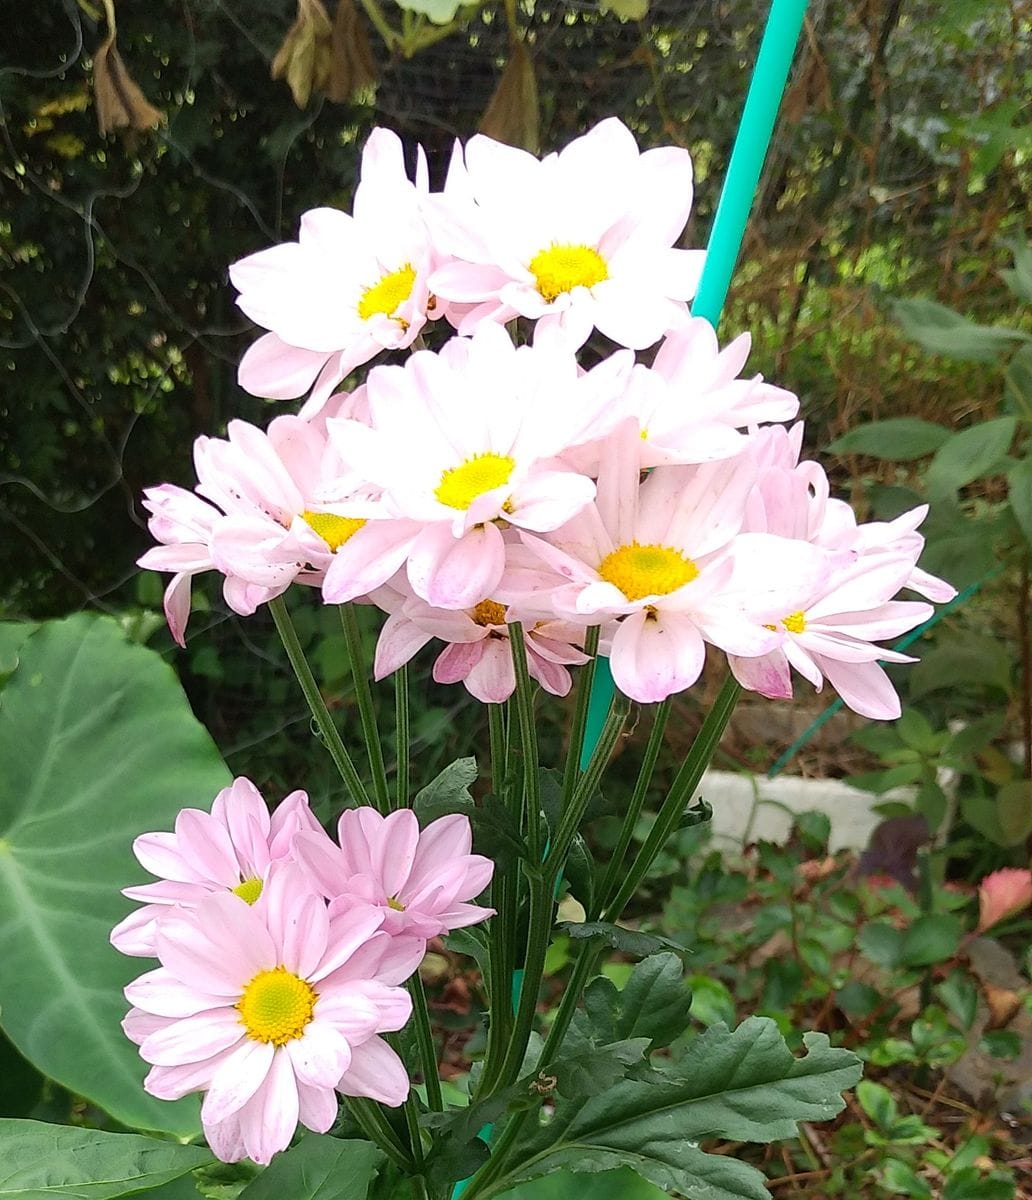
x=333, y=530
x=794, y=622
x=276, y=1006
x=395, y=903
x=384, y=297
x=562, y=268
x=460, y=486
x=249, y=890
x=489, y=612
x=647, y=570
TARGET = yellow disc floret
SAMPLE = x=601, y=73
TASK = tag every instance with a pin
x=333, y=530
x=385, y=297
x=460, y=486
x=276, y=1006
x=649, y=570
x=395, y=903
x=489, y=612
x=562, y=268
x=794, y=622
x=248, y=889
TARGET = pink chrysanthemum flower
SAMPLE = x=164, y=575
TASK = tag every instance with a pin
x=271, y=509
x=579, y=240
x=270, y=1009
x=348, y=288
x=421, y=882
x=478, y=654
x=665, y=558
x=230, y=849
x=460, y=442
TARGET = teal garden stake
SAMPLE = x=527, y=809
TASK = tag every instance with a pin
x=770, y=75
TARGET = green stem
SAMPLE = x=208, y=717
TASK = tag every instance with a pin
x=538, y=938
x=575, y=749
x=366, y=711
x=403, y=736
x=528, y=743
x=683, y=788
x=425, y=1043
x=378, y=1130
x=573, y=813
x=637, y=803
x=320, y=713
x=501, y=962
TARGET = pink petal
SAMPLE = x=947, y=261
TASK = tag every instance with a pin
x=191, y=1039
x=219, y=947
x=450, y=572
x=237, y=1079
x=376, y=1072
x=272, y=369
x=269, y=1119
x=317, y=1107
x=160, y=992
x=320, y=1056
x=864, y=687
x=205, y=844
x=655, y=656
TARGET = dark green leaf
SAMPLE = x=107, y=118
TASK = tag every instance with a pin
x=39, y=1161
x=940, y=330
x=13, y=635
x=1014, y=811
x=858, y=1000
x=959, y=993
x=627, y=941
x=580, y=872
x=966, y=659
x=932, y=938
x=711, y=1001
x=21, y=1085
x=1018, y=378
x=899, y=439
x=743, y=1085
x=878, y=1102
x=969, y=455
x=882, y=943
x=976, y=735
x=318, y=1168
x=447, y=793
x=970, y=1184
x=1000, y=1043
x=496, y=832
x=98, y=745
x=900, y=1180
x=1019, y=493
x=621, y=1184
x=655, y=1003
x=595, y=1067
x=1019, y=278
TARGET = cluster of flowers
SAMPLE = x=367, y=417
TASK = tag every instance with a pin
x=281, y=954
x=487, y=483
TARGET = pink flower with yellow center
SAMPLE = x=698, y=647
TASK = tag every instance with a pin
x=478, y=654
x=351, y=286
x=665, y=557
x=230, y=849
x=460, y=444
x=582, y=239
x=272, y=508
x=269, y=1010
x=421, y=881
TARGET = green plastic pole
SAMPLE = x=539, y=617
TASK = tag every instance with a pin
x=736, y=200
x=773, y=64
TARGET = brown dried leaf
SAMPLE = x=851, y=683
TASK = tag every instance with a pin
x=353, y=68
x=120, y=103
x=512, y=114
x=306, y=56
x=1003, y=1005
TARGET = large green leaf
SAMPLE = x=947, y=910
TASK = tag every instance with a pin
x=943, y=331
x=98, y=745
x=743, y=1085
x=898, y=439
x=655, y=1002
x=969, y=455
x=40, y=1162
x=318, y=1168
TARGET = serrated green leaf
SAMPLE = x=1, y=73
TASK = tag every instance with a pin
x=959, y=993
x=595, y=1067
x=40, y=1162
x=99, y=745
x=899, y=439
x=900, y=1180
x=656, y=1001
x=627, y=941
x=447, y=792
x=743, y=1085
x=940, y=330
x=969, y=455
x=318, y=1168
